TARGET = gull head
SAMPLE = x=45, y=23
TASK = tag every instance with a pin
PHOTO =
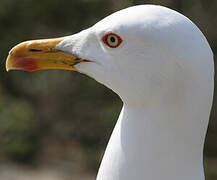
x=146, y=54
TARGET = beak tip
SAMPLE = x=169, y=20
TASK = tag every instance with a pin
x=8, y=69
x=8, y=63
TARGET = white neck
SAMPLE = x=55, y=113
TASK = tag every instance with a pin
x=156, y=144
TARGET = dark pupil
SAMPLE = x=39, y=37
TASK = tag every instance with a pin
x=112, y=39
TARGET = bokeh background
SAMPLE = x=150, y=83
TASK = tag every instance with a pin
x=55, y=124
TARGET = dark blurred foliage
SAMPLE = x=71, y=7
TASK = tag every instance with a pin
x=60, y=116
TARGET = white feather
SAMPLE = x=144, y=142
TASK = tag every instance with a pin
x=163, y=72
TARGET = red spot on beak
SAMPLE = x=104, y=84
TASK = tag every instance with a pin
x=27, y=65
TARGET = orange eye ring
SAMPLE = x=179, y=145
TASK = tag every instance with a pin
x=112, y=40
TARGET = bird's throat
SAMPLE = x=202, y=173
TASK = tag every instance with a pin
x=148, y=146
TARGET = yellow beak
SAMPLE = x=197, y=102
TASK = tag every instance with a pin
x=41, y=54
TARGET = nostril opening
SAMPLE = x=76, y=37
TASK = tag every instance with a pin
x=35, y=50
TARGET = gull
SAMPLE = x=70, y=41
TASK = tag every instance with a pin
x=161, y=66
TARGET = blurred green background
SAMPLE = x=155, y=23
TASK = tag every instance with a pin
x=55, y=124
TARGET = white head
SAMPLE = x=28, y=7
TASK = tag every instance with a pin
x=163, y=56
x=159, y=58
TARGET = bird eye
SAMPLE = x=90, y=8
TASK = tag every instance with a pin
x=112, y=40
